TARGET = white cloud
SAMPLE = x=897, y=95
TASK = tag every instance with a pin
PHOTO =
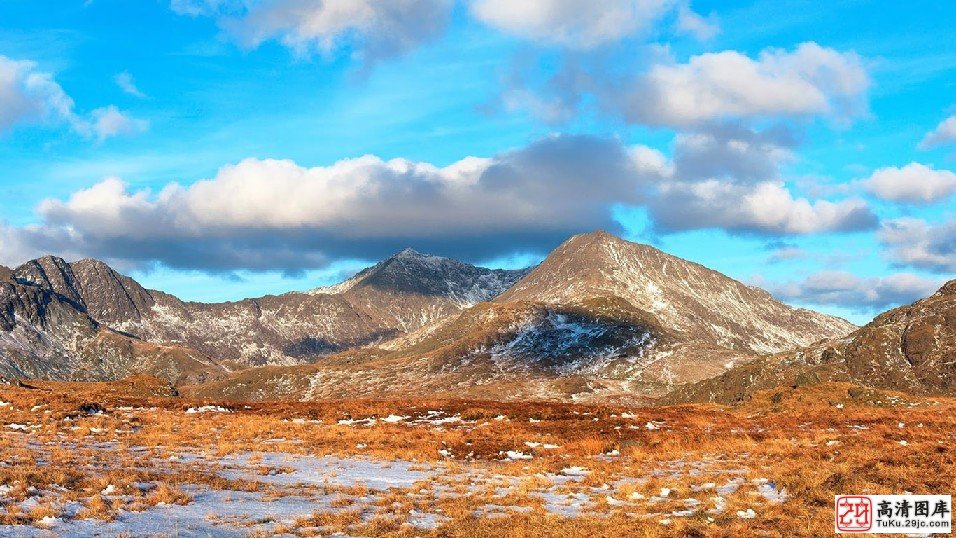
x=18, y=244
x=727, y=176
x=28, y=95
x=264, y=214
x=914, y=183
x=944, y=133
x=761, y=208
x=368, y=28
x=809, y=81
x=368, y=197
x=844, y=289
x=703, y=28
x=125, y=81
x=787, y=253
x=917, y=243
x=276, y=214
x=572, y=24
x=110, y=121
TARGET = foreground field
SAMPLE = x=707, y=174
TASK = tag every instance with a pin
x=90, y=459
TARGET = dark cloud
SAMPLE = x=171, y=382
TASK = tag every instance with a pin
x=733, y=152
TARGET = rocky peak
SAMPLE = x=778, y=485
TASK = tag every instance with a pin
x=683, y=296
x=110, y=296
x=52, y=273
x=411, y=272
x=408, y=253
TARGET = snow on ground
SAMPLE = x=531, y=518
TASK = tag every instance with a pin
x=327, y=470
x=220, y=514
x=292, y=486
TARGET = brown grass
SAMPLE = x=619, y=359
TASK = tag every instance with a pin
x=814, y=441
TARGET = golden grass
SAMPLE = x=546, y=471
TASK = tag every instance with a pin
x=813, y=441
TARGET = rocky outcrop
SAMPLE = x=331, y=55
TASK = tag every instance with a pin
x=46, y=331
x=910, y=348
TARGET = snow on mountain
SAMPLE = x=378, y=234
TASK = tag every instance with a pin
x=392, y=298
x=683, y=296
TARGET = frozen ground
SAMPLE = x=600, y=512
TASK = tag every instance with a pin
x=208, y=470
x=292, y=488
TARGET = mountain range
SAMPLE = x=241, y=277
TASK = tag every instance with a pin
x=599, y=319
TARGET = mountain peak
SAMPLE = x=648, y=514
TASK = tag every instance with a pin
x=409, y=252
x=50, y=272
x=93, y=262
x=684, y=296
x=410, y=272
x=586, y=243
x=596, y=235
x=109, y=295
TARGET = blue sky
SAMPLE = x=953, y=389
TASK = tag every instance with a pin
x=218, y=149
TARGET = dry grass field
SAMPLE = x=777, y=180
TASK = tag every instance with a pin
x=131, y=459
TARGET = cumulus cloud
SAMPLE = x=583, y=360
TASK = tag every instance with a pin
x=368, y=28
x=808, y=81
x=125, y=82
x=28, y=95
x=18, y=244
x=276, y=214
x=917, y=243
x=861, y=294
x=569, y=23
x=765, y=208
x=732, y=151
x=944, y=133
x=265, y=214
x=727, y=176
x=914, y=183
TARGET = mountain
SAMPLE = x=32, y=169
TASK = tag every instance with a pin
x=910, y=348
x=599, y=318
x=392, y=298
x=690, y=300
x=47, y=332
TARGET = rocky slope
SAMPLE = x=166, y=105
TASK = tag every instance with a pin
x=910, y=348
x=390, y=299
x=599, y=318
x=690, y=300
x=47, y=332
